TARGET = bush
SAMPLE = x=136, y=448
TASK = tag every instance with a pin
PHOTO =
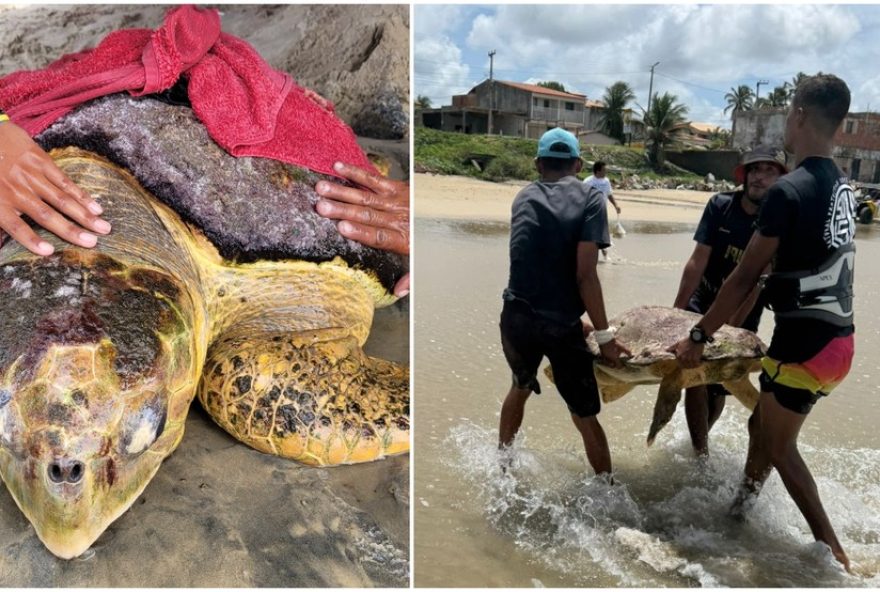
x=510, y=166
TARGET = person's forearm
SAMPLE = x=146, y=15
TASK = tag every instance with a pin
x=739, y=317
x=690, y=279
x=591, y=293
x=733, y=292
x=613, y=202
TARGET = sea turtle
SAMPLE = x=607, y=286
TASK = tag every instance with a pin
x=218, y=279
x=648, y=331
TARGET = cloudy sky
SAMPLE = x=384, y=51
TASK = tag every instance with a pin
x=703, y=50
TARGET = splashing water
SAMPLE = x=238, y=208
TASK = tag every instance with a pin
x=666, y=524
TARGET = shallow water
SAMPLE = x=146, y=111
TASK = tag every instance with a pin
x=548, y=521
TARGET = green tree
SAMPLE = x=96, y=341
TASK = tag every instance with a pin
x=553, y=85
x=664, y=123
x=616, y=98
x=792, y=86
x=739, y=99
x=422, y=102
x=778, y=97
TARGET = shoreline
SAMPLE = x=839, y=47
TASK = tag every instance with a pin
x=464, y=198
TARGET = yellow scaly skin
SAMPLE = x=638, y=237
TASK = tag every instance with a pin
x=292, y=329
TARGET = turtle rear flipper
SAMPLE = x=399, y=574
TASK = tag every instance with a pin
x=744, y=391
x=313, y=396
x=668, y=396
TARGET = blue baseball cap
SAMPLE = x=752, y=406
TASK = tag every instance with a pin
x=558, y=143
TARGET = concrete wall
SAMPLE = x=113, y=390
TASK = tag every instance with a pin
x=764, y=126
x=597, y=139
x=718, y=162
x=507, y=98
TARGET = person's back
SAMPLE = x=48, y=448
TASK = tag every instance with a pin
x=548, y=219
x=558, y=226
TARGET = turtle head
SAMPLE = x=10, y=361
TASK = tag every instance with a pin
x=75, y=442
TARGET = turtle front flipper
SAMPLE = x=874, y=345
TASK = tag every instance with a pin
x=744, y=391
x=668, y=396
x=311, y=396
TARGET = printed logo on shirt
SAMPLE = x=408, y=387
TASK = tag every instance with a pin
x=840, y=228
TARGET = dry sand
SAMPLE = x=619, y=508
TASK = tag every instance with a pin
x=439, y=196
x=219, y=514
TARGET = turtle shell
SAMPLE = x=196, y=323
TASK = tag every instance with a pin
x=249, y=208
x=648, y=331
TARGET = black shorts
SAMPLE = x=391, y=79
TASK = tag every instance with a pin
x=797, y=400
x=527, y=337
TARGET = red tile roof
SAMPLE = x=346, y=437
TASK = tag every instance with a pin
x=544, y=91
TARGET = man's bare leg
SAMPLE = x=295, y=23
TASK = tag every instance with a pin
x=696, y=410
x=512, y=412
x=595, y=443
x=779, y=431
x=716, y=406
x=757, y=469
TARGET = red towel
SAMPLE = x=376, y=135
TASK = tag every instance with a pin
x=247, y=107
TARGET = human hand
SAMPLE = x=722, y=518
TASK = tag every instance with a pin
x=587, y=327
x=613, y=351
x=617, y=208
x=31, y=184
x=687, y=352
x=377, y=217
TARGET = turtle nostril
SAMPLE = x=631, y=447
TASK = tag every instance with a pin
x=56, y=475
x=75, y=472
x=66, y=471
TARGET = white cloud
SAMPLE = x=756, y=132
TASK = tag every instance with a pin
x=703, y=50
x=439, y=72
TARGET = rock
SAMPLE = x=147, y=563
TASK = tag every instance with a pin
x=710, y=178
x=356, y=56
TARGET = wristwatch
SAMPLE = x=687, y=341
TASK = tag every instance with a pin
x=698, y=335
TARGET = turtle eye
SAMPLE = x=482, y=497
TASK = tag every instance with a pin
x=142, y=425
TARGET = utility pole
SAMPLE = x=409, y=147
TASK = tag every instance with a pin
x=758, y=90
x=651, y=86
x=491, y=89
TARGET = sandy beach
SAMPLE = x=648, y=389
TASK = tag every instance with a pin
x=452, y=197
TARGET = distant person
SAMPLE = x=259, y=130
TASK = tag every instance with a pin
x=31, y=184
x=600, y=181
x=721, y=237
x=807, y=224
x=557, y=227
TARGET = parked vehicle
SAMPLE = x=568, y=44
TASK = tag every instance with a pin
x=867, y=201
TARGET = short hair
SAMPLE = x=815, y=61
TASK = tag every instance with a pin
x=557, y=165
x=598, y=166
x=826, y=97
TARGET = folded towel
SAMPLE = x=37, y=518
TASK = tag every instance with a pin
x=247, y=107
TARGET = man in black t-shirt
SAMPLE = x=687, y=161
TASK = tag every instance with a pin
x=807, y=222
x=557, y=227
x=722, y=236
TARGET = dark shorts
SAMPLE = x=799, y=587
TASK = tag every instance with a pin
x=527, y=337
x=798, y=385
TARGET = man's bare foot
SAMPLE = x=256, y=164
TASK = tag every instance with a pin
x=745, y=499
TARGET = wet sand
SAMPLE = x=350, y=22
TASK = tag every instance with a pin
x=219, y=514
x=453, y=197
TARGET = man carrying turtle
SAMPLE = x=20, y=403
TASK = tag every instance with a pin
x=807, y=224
x=721, y=237
x=557, y=227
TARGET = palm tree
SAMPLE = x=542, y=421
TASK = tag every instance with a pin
x=616, y=98
x=422, y=102
x=792, y=86
x=739, y=99
x=778, y=97
x=664, y=124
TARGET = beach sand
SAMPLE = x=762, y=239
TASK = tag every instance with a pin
x=219, y=514
x=453, y=197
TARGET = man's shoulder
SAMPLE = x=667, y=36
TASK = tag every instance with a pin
x=722, y=200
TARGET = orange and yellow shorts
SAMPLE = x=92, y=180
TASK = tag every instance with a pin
x=798, y=386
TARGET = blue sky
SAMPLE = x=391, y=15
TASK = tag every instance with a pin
x=703, y=50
